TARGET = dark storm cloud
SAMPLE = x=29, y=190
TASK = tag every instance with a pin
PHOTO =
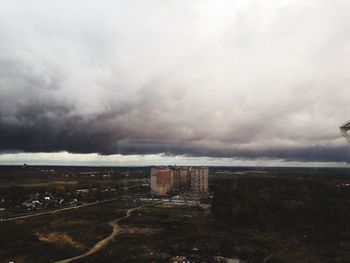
x=52, y=128
x=245, y=79
x=310, y=154
x=49, y=128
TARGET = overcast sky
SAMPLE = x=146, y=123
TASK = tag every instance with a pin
x=190, y=81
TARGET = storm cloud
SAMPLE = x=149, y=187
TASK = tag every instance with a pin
x=245, y=79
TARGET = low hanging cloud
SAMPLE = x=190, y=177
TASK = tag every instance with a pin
x=246, y=79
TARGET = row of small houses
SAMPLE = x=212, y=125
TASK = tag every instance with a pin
x=50, y=200
x=36, y=201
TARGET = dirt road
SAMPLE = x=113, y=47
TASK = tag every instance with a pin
x=99, y=245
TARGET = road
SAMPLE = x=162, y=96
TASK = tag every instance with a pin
x=54, y=211
x=60, y=209
x=99, y=245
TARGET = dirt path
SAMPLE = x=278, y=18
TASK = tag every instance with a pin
x=99, y=245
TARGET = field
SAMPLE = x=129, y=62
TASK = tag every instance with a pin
x=56, y=236
x=256, y=215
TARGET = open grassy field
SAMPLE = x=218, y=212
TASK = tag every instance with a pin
x=37, y=183
x=155, y=234
x=151, y=234
x=52, y=237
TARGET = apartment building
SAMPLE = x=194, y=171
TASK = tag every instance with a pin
x=166, y=179
x=199, y=179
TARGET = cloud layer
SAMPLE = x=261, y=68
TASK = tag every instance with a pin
x=248, y=79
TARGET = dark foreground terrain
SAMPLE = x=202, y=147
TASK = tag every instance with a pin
x=256, y=215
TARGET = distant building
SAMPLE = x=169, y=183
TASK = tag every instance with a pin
x=181, y=178
x=166, y=179
x=199, y=180
x=161, y=180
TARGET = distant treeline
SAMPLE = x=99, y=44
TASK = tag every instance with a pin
x=317, y=208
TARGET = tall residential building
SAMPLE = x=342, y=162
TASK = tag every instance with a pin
x=166, y=179
x=199, y=179
x=161, y=180
x=181, y=178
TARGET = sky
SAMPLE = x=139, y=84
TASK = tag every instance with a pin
x=244, y=82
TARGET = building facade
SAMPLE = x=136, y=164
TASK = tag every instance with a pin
x=166, y=179
x=161, y=180
x=199, y=180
